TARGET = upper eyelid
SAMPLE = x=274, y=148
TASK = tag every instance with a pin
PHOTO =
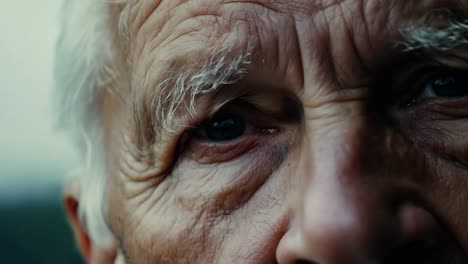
x=407, y=88
x=395, y=81
x=228, y=108
x=406, y=68
x=255, y=118
x=417, y=92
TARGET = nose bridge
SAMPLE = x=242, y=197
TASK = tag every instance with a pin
x=340, y=206
x=333, y=152
x=336, y=178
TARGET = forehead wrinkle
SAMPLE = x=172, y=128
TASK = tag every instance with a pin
x=185, y=30
x=153, y=23
x=292, y=6
x=142, y=13
x=141, y=10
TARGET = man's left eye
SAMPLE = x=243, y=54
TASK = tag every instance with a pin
x=223, y=128
x=447, y=84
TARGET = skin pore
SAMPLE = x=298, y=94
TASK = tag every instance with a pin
x=338, y=147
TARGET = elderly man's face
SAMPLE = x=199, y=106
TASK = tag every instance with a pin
x=320, y=139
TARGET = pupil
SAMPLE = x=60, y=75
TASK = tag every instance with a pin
x=225, y=128
x=450, y=84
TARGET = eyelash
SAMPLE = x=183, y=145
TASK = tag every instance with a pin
x=197, y=147
x=407, y=92
x=415, y=85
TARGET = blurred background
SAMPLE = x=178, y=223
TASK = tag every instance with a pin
x=34, y=157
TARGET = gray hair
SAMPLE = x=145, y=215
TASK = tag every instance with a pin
x=440, y=30
x=83, y=69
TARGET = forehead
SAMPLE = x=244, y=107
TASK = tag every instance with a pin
x=160, y=12
x=181, y=27
x=167, y=35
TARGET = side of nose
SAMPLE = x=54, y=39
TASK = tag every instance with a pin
x=346, y=213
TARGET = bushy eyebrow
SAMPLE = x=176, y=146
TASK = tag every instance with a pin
x=439, y=30
x=177, y=93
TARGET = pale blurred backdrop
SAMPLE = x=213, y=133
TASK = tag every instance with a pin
x=34, y=156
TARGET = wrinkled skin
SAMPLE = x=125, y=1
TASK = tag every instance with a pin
x=334, y=166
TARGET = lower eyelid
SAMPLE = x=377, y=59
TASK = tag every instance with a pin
x=210, y=152
x=457, y=109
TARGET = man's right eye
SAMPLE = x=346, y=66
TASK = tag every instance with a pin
x=222, y=128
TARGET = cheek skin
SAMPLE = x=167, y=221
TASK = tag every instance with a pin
x=439, y=130
x=225, y=187
x=446, y=194
x=442, y=127
x=192, y=210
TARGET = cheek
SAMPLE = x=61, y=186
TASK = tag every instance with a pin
x=452, y=141
x=440, y=128
x=441, y=137
x=163, y=230
x=447, y=196
x=188, y=216
x=221, y=188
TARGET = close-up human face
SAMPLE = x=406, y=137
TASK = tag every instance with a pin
x=279, y=131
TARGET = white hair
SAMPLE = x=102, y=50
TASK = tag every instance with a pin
x=83, y=59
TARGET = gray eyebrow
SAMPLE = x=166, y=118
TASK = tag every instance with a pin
x=179, y=91
x=439, y=30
